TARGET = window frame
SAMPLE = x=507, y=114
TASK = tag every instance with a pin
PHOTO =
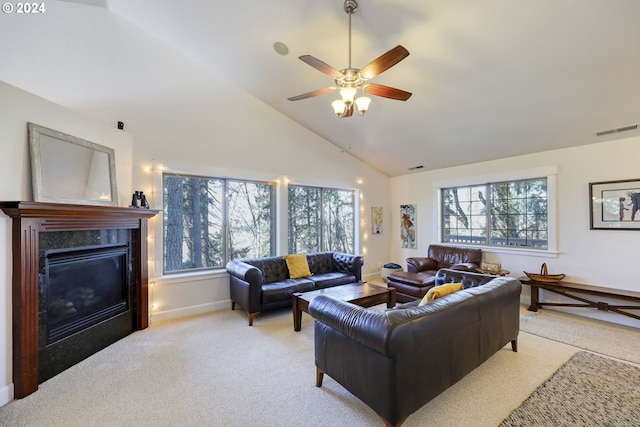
x=488, y=218
x=550, y=172
x=322, y=232
x=225, y=250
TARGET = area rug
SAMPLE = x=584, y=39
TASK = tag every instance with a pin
x=601, y=337
x=587, y=390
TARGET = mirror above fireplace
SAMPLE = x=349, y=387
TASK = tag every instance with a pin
x=68, y=169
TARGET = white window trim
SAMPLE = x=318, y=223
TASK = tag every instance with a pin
x=550, y=172
x=156, y=224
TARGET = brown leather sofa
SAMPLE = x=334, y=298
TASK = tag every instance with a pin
x=397, y=360
x=420, y=275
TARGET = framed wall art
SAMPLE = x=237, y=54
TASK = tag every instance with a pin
x=376, y=220
x=615, y=205
x=408, y=226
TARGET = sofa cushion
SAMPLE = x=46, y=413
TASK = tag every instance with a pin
x=320, y=262
x=440, y=291
x=284, y=289
x=334, y=278
x=297, y=265
x=446, y=256
x=273, y=269
x=419, y=280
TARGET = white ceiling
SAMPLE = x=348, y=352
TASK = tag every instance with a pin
x=490, y=79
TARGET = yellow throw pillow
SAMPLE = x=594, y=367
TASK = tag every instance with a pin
x=440, y=291
x=297, y=265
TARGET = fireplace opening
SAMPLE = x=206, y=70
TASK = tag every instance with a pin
x=87, y=296
x=84, y=286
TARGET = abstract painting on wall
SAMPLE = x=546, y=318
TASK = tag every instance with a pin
x=408, y=226
x=376, y=220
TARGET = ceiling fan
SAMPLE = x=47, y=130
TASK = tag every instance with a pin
x=350, y=80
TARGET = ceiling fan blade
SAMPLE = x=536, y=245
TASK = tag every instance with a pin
x=384, y=62
x=313, y=93
x=321, y=66
x=386, y=92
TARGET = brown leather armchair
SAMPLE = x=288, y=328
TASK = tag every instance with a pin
x=420, y=275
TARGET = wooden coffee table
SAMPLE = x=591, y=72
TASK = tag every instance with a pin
x=362, y=293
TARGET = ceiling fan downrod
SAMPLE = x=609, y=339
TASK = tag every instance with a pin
x=350, y=7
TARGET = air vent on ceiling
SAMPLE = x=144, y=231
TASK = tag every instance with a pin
x=416, y=167
x=622, y=129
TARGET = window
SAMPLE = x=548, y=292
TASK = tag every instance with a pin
x=512, y=213
x=321, y=219
x=203, y=229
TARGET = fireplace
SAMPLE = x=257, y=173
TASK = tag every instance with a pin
x=83, y=287
x=79, y=284
x=86, y=291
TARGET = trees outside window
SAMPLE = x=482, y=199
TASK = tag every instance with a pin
x=497, y=214
x=321, y=219
x=204, y=229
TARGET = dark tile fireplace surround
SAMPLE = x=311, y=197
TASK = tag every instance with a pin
x=80, y=283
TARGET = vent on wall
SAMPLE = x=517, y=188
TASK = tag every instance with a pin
x=622, y=129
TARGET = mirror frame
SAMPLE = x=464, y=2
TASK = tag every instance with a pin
x=37, y=167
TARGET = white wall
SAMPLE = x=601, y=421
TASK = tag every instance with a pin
x=596, y=257
x=16, y=109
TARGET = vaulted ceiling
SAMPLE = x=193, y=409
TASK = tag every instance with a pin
x=490, y=79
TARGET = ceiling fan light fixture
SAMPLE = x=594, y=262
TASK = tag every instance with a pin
x=363, y=104
x=339, y=107
x=348, y=93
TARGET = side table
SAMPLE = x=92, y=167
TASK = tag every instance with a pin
x=502, y=272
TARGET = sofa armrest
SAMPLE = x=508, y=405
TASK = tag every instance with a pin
x=245, y=272
x=370, y=328
x=245, y=285
x=418, y=264
x=349, y=263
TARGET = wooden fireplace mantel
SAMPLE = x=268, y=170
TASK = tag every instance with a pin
x=29, y=219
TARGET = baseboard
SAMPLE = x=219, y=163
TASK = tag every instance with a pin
x=6, y=394
x=161, y=316
x=371, y=276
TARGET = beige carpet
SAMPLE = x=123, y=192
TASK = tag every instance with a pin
x=621, y=342
x=214, y=370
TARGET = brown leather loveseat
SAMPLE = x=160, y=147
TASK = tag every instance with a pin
x=398, y=359
x=420, y=275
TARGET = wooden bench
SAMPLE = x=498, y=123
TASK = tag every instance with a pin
x=588, y=296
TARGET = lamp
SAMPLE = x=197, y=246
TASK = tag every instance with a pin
x=339, y=107
x=347, y=93
x=363, y=104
